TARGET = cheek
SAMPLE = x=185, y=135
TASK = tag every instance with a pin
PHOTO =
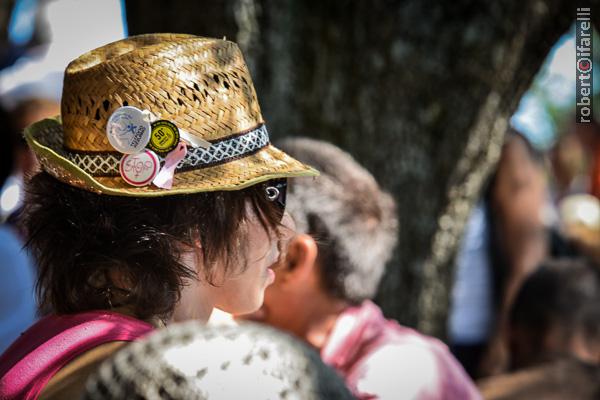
x=271, y=293
x=243, y=293
x=276, y=297
x=262, y=250
x=272, y=301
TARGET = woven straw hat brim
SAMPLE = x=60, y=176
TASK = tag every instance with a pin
x=46, y=141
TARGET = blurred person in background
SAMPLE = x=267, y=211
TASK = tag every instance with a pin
x=556, y=314
x=194, y=361
x=572, y=159
x=564, y=379
x=43, y=36
x=121, y=252
x=588, y=137
x=575, y=160
x=54, y=33
x=17, y=275
x=323, y=287
x=24, y=114
x=471, y=315
x=505, y=239
x=554, y=335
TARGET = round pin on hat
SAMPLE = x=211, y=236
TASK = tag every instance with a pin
x=139, y=169
x=128, y=130
x=164, y=136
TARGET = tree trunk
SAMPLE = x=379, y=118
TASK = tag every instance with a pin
x=420, y=92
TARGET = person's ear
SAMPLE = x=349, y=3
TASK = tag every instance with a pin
x=300, y=258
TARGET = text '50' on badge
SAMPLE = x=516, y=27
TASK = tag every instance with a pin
x=164, y=136
x=128, y=130
x=139, y=169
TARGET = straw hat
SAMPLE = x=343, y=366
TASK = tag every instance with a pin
x=200, y=87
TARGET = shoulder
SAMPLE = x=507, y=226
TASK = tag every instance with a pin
x=69, y=381
x=567, y=378
x=410, y=365
x=62, y=345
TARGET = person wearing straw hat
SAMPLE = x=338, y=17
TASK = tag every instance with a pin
x=160, y=199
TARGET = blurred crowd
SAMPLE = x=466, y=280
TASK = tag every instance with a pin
x=524, y=320
x=525, y=299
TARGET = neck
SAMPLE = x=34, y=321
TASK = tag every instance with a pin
x=127, y=310
x=192, y=309
x=197, y=297
x=319, y=320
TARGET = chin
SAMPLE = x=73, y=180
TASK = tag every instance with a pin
x=259, y=315
x=247, y=307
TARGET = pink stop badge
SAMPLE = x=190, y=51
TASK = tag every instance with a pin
x=139, y=169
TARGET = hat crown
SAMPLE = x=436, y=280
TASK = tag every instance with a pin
x=201, y=84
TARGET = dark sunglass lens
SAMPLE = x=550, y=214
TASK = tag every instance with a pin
x=281, y=185
x=276, y=191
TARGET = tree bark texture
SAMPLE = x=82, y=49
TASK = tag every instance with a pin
x=420, y=92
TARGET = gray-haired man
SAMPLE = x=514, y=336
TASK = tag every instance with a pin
x=332, y=268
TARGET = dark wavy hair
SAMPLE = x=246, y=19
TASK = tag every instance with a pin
x=80, y=238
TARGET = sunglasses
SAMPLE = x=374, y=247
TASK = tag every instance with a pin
x=276, y=191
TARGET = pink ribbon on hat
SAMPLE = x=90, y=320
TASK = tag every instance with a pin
x=164, y=179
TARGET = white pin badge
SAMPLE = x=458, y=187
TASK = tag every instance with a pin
x=139, y=169
x=128, y=130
